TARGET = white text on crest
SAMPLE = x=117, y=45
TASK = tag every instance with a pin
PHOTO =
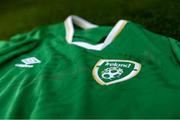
x=117, y=65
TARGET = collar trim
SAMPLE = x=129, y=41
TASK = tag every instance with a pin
x=84, y=24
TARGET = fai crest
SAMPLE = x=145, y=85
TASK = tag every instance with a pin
x=107, y=72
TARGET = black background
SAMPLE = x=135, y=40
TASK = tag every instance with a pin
x=159, y=16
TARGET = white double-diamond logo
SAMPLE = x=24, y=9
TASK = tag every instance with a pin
x=28, y=62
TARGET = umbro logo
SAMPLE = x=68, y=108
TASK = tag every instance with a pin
x=28, y=62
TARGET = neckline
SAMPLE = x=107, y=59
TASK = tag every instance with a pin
x=84, y=24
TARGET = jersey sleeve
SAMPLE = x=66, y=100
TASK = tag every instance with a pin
x=175, y=47
x=19, y=44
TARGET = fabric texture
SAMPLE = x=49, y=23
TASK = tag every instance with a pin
x=60, y=84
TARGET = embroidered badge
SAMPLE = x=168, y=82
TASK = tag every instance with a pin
x=107, y=71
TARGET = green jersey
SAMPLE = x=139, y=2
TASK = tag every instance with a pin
x=77, y=69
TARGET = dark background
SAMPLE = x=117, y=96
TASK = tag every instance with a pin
x=159, y=16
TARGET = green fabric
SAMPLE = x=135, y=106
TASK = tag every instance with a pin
x=62, y=86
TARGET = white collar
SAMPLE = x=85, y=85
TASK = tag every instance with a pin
x=82, y=23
